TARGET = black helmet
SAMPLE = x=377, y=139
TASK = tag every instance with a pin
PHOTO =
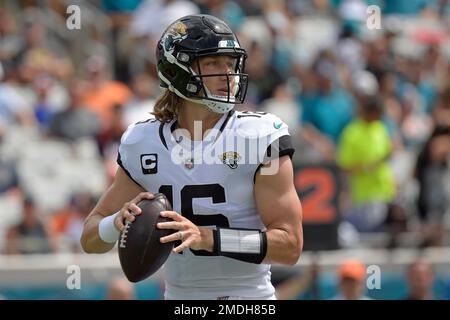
x=182, y=43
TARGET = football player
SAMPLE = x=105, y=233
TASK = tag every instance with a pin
x=227, y=174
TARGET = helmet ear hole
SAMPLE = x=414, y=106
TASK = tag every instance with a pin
x=195, y=86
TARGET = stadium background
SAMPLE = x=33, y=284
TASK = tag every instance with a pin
x=66, y=96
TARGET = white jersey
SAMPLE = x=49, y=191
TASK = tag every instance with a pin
x=210, y=182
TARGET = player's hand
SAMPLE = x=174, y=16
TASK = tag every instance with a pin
x=188, y=233
x=130, y=209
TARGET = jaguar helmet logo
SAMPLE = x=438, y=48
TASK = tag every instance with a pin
x=175, y=34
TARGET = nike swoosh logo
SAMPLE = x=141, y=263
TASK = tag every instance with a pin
x=277, y=125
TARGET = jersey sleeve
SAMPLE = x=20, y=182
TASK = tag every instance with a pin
x=280, y=145
x=275, y=140
x=270, y=134
x=127, y=151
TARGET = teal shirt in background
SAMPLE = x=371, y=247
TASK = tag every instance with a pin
x=328, y=113
x=411, y=7
x=120, y=5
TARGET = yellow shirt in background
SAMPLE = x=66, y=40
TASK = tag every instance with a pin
x=361, y=145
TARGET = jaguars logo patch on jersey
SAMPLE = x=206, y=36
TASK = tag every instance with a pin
x=230, y=158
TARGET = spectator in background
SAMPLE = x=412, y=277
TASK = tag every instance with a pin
x=42, y=66
x=363, y=152
x=10, y=41
x=424, y=83
x=379, y=55
x=392, y=108
x=263, y=78
x=152, y=17
x=121, y=15
x=77, y=121
x=101, y=94
x=38, y=55
x=67, y=223
x=327, y=111
x=296, y=284
x=43, y=110
x=109, y=140
x=140, y=105
x=433, y=174
x=420, y=278
x=408, y=7
x=13, y=108
x=352, y=281
x=228, y=11
x=148, y=22
x=441, y=112
x=120, y=7
x=436, y=64
x=281, y=24
x=120, y=289
x=9, y=179
x=417, y=97
x=316, y=7
x=350, y=49
x=31, y=234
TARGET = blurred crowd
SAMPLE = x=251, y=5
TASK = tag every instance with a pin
x=355, y=280
x=375, y=103
x=352, y=280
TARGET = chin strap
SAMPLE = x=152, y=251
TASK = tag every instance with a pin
x=214, y=106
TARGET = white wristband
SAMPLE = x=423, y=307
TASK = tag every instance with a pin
x=107, y=229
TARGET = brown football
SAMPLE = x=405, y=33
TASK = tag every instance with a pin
x=141, y=253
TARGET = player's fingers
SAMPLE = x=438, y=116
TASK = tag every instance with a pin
x=172, y=214
x=133, y=208
x=129, y=216
x=172, y=237
x=119, y=223
x=184, y=245
x=171, y=225
x=142, y=196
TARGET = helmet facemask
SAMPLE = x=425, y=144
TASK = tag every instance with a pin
x=236, y=87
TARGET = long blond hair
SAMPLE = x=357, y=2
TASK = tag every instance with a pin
x=167, y=106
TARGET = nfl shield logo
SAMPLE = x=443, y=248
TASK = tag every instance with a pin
x=189, y=164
